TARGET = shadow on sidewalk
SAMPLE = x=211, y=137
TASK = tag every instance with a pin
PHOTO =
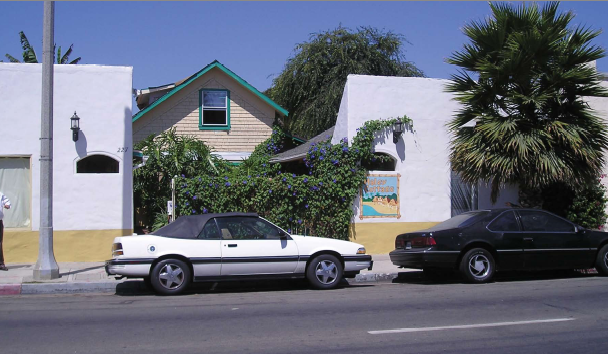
x=79, y=271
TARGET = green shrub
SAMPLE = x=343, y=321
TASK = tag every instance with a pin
x=317, y=203
x=588, y=207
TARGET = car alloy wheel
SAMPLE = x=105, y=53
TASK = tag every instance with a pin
x=171, y=276
x=479, y=266
x=326, y=272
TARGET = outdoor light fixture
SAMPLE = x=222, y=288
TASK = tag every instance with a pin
x=397, y=130
x=75, y=120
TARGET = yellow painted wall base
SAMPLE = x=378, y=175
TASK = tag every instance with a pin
x=379, y=238
x=68, y=246
x=95, y=245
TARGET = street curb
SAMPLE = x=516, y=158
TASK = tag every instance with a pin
x=375, y=277
x=10, y=289
x=124, y=287
x=66, y=288
x=130, y=286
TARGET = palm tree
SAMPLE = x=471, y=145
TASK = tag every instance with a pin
x=29, y=55
x=532, y=125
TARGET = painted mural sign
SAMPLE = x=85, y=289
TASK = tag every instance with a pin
x=380, y=196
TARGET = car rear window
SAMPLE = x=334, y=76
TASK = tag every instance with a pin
x=461, y=220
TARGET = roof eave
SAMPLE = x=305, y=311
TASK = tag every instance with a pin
x=214, y=64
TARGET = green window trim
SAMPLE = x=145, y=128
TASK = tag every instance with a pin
x=201, y=126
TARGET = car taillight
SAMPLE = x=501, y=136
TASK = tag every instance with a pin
x=399, y=243
x=423, y=241
x=117, y=249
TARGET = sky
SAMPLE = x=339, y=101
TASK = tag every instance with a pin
x=167, y=41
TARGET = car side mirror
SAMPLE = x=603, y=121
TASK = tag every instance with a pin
x=579, y=229
x=282, y=234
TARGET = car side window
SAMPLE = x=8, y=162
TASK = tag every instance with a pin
x=265, y=228
x=210, y=231
x=539, y=221
x=237, y=228
x=505, y=223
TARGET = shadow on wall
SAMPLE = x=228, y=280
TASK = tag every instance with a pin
x=127, y=173
x=81, y=144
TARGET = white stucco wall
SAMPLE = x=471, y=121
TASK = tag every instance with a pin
x=422, y=157
x=101, y=96
x=600, y=107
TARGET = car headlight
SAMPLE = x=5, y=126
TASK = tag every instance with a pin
x=117, y=249
x=361, y=250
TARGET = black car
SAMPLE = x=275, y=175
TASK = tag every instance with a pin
x=478, y=243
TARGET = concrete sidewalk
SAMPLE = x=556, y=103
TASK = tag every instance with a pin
x=89, y=277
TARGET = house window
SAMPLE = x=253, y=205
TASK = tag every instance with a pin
x=97, y=164
x=214, y=109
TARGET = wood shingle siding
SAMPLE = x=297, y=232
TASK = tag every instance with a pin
x=250, y=117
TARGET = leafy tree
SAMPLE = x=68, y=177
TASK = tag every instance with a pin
x=29, y=55
x=532, y=124
x=311, y=84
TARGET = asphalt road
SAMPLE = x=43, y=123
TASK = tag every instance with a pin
x=561, y=313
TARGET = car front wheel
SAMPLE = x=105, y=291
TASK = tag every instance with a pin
x=324, y=272
x=170, y=277
x=477, y=266
x=601, y=262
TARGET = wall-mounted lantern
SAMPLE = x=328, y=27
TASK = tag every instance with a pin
x=397, y=130
x=75, y=120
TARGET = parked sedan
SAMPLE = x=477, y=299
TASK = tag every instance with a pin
x=478, y=243
x=232, y=246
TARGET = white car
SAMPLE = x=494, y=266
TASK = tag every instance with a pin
x=232, y=246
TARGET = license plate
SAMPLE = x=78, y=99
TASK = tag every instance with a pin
x=408, y=245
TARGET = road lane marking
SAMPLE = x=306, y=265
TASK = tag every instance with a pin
x=481, y=325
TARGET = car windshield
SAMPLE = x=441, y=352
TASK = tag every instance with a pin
x=460, y=220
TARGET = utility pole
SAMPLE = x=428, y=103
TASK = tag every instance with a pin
x=46, y=266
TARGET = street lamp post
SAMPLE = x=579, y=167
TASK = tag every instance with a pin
x=46, y=266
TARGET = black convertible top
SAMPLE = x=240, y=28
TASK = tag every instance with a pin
x=191, y=226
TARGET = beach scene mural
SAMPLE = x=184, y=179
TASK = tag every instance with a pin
x=380, y=196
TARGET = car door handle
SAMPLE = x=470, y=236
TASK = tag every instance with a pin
x=528, y=239
x=232, y=245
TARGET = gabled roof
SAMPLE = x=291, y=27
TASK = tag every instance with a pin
x=214, y=64
x=300, y=152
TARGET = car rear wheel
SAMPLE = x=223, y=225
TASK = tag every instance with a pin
x=601, y=262
x=324, y=272
x=170, y=277
x=477, y=266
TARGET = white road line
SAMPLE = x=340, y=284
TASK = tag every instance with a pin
x=497, y=324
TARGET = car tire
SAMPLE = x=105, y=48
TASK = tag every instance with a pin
x=477, y=266
x=601, y=262
x=324, y=272
x=170, y=277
